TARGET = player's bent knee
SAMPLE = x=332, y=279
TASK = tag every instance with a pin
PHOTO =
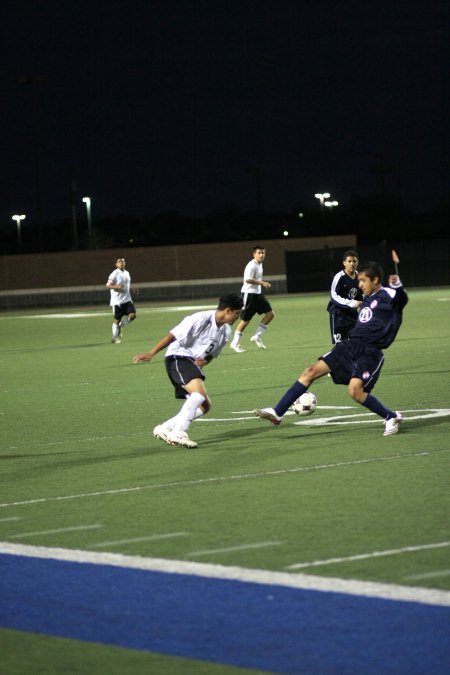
x=308, y=375
x=206, y=405
x=356, y=393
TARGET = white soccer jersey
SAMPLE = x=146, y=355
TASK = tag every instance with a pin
x=198, y=335
x=253, y=270
x=120, y=277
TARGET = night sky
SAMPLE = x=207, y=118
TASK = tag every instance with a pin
x=165, y=105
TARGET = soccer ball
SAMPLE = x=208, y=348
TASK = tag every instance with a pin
x=305, y=404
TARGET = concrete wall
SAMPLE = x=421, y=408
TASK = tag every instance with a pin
x=161, y=272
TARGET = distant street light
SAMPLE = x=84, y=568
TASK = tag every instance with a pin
x=87, y=201
x=321, y=197
x=18, y=220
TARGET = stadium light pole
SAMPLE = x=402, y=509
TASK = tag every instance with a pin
x=321, y=196
x=18, y=219
x=87, y=201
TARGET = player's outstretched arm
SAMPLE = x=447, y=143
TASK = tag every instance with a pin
x=162, y=344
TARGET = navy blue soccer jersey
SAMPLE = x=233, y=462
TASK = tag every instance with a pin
x=344, y=295
x=380, y=317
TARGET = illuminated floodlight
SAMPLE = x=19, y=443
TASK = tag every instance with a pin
x=18, y=219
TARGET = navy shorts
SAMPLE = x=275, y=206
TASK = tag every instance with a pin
x=254, y=303
x=181, y=370
x=354, y=358
x=340, y=327
x=123, y=310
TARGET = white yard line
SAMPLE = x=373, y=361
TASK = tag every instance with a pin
x=57, y=531
x=365, y=556
x=255, y=576
x=428, y=575
x=215, y=479
x=231, y=549
x=151, y=537
x=11, y=518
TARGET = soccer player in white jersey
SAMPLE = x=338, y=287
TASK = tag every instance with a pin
x=191, y=345
x=124, y=311
x=255, y=302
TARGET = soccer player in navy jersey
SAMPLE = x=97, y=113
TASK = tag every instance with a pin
x=345, y=298
x=357, y=362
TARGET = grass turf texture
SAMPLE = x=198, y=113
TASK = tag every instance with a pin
x=77, y=418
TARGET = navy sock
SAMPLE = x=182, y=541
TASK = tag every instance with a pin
x=377, y=407
x=290, y=396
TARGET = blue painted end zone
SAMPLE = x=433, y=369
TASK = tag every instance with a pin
x=270, y=628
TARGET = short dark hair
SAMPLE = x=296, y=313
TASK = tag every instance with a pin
x=350, y=254
x=261, y=248
x=371, y=269
x=230, y=301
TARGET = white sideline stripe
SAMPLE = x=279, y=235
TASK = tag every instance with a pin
x=215, y=479
x=82, y=315
x=365, y=556
x=57, y=531
x=429, y=575
x=254, y=576
x=151, y=537
x=230, y=549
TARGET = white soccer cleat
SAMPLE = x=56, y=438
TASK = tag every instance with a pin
x=391, y=426
x=256, y=339
x=237, y=348
x=116, y=341
x=268, y=414
x=180, y=438
x=161, y=432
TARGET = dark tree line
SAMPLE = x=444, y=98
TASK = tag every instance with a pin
x=372, y=218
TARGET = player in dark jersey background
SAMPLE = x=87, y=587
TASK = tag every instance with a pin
x=345, y=298
x=357, y=361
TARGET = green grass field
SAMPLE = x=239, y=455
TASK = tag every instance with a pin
x=81, y=469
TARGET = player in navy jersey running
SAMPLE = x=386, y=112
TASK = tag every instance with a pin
x=192, y=344
x=357, y=361
x=345, y=298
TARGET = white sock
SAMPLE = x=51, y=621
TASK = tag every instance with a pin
x=260, y=330
x=170, y=424
x=237, y=338
x=188, y=412
x=115, y=330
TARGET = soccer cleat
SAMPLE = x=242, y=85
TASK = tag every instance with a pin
x=161, y=432
x=116, y=341
x=268, y=414
x=258, y=342
x=180, y=438
x=237, y=347
x=391, y=425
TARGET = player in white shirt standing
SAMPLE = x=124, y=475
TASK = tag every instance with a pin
x=255, y=302
x=192, y=344
x=124, y=311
